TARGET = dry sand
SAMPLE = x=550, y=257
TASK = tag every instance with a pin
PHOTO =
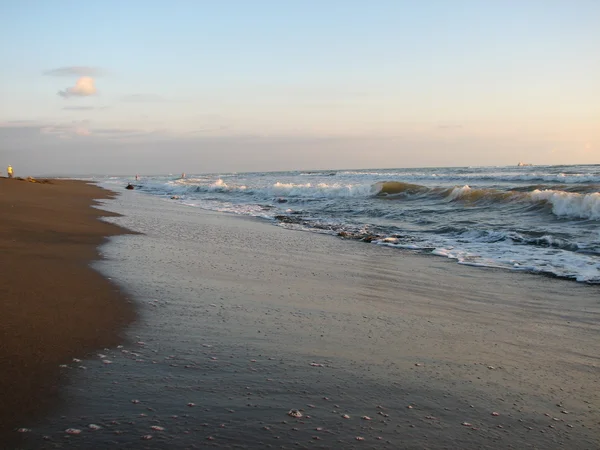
x=52, y=304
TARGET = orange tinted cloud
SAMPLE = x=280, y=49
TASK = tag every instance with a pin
x=84, y=87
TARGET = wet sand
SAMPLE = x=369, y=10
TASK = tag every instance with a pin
x=241, y=322
x=53, y=305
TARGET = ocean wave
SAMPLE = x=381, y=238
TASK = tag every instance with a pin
x=192, y=186
x=494, y=177
x=562, y=178
x=468, y=194
x=465, y=193
x=563, y=203
x=510, y=225
x=319, y=173
x=319, y=190
x=497, y=250
x=570, y=205
x=274, y=190
x=520, y=238
x=384, y=188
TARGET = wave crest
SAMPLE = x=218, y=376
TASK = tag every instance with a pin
x=573, y=205
x=383, y=188
x=468, y=194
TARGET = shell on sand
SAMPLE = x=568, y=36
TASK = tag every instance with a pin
x=294, y=413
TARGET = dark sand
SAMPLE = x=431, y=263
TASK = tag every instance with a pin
x=52, y=304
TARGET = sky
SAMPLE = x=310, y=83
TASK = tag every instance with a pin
x=198, y=86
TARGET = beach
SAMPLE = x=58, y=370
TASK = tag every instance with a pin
x=53, y=304
x=243, y=325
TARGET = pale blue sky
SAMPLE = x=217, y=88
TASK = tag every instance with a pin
x=266, y=85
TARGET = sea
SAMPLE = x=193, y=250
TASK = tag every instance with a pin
x=539, y=219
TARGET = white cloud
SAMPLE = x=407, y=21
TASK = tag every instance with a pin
x=84, y=87
x=80, y=71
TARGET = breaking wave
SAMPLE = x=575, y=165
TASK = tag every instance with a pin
x=277, y=189
x=566, y=204
x=384, y=188
x=561, y=203
x=542, y=219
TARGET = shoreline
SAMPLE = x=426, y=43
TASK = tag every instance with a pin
x=55, y=306
x=247, y=321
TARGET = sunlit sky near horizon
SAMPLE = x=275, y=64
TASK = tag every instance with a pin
x=198, y=86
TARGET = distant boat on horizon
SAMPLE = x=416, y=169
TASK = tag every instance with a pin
x=522, y=164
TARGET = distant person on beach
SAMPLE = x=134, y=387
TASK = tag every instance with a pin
x=183, y=175
x=9, y=171
x=136, y=178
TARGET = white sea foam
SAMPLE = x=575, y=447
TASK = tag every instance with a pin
x=465, y=214
x=565, y=204
x=458, y=192
x=581, y=267
x=277, y=189
x=481, y=248
x=320, y=190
